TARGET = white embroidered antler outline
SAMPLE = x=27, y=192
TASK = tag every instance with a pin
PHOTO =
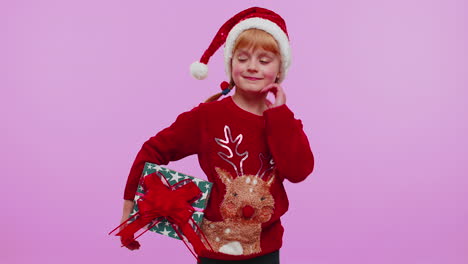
x=227, y=157
x=265, y=159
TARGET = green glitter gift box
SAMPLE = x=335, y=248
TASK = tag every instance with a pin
x=173, y=177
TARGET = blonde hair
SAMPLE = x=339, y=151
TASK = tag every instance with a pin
x=255, y=39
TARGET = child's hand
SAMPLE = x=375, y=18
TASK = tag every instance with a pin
x=131, y=243
x=278, y=92
x=127, y=208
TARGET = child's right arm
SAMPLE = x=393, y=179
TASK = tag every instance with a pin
x=127, y=209
x=175, y=142
x=172, y=143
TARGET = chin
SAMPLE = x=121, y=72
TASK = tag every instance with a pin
x=252, y=89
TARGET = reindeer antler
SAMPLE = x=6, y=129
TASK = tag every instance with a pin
x=266, y=164
x=230, y=144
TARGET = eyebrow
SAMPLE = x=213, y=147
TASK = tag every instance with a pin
x=263, y=53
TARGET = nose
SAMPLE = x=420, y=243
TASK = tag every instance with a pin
x=248, y=211
x=252, y=66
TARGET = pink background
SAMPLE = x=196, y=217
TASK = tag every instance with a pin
x=381, y=87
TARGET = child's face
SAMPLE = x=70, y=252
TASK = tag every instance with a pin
x=253, y=69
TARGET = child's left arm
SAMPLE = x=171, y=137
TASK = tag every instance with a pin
x=288, y=143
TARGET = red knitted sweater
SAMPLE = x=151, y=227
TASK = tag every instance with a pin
x=247, y=157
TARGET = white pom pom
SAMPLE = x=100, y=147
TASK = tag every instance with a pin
x=199, y=70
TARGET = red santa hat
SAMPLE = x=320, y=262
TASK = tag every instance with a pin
x=254, y=17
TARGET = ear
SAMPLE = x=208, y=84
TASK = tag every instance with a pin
x=225, y=176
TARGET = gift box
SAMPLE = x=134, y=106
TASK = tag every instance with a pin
x=173, y=177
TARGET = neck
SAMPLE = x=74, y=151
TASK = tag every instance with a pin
x=250, y=102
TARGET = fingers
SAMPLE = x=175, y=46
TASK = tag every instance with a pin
x=270, y=88
x=128, y=242
x=278, y=92
x=268, y=103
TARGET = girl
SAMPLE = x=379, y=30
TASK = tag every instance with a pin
x=246, y=145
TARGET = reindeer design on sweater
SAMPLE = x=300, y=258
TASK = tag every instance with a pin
x=246, y=205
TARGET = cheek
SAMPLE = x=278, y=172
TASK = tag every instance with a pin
x=271, y=75
x=236, y=70
x=271, y=72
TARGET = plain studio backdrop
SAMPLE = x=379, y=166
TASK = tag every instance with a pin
x=381, y=87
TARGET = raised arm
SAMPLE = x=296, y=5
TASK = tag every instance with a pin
x=288, y=144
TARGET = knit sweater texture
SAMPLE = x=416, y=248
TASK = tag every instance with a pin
x=246, y=157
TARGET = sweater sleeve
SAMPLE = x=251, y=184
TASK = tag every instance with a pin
x=172, y=143
x=288, y=144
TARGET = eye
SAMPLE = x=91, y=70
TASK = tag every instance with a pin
x=262, y=199
x=264, y=61
x=241, y=59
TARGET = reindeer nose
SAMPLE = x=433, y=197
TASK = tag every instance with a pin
x=248, y=211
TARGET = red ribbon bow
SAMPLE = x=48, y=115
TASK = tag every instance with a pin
x=172, y=203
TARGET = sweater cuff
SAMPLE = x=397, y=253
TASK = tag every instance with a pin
x=128, y=197
x=280, y=113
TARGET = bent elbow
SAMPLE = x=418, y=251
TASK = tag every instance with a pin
x=300, y=174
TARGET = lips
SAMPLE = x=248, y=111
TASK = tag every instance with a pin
x=252, y=78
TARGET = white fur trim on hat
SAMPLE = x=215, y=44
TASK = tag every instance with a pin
x=199, y=70
x=268, y=26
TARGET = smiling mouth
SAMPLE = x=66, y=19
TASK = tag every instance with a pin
x=252, y=78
